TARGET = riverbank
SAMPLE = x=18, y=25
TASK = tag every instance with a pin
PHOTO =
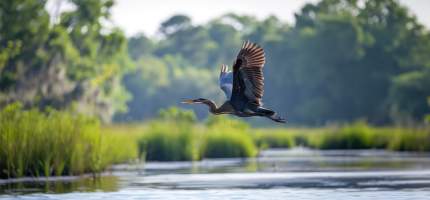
x=55, y=143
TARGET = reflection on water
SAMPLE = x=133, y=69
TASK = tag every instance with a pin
x=275, y=174
x=60, y=185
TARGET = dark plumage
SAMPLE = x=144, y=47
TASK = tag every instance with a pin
x=244, y=86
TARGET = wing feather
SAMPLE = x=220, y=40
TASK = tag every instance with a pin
x=226, y=81
x=248, y=79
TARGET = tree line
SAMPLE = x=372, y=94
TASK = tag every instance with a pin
x=340, y=61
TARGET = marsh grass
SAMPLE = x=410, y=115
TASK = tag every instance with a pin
x=169, y=141
x=355, y=136
x=358, y=135
x=35, y=143
x=286, y=137
x=225, y=143
x=177, y=140
x=410, y=140
x=226, y=138
x=277, y=138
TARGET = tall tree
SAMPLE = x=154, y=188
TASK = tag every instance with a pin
x=74, y=62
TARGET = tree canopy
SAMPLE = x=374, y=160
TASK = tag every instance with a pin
x=75, y=62
x=342, y=60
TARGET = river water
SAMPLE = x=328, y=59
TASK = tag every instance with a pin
x=276, y=174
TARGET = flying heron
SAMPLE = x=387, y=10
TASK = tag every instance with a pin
x=243, y=87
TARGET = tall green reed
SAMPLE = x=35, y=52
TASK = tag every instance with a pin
x=35, y=143
x=169, y=141
x=227, y=137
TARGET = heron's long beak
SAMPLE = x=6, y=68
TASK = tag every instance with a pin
x=188, y=101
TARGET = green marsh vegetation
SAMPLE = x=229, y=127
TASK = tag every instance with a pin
x=377, y=67
x=227, y=137
x=51, y=63
x=36, y=143
x=357, y=135
x=173, y=138
x=175, y=135
x=223, y=137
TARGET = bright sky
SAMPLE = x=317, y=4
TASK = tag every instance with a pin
x=135, y=16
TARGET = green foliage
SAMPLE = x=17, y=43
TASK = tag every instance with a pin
x=58, y=63
x=176, y=114
x=355, y=136
x=173, y=137
x=223, y=120
x=33, y=143
x=161, y=83
x=139, y=46
x=358, y=135
x=362, y=136
x=174, y=24
x=427, y=116
x=23, y=29
x=410, y=140
x=375, y=68
x=275, y=139
x=227, y=142
x=226, y=137
x=169, y=141
x=409, y=95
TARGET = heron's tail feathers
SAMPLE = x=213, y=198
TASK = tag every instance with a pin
x=275, y=117
x=264, y=111
x=270, y=114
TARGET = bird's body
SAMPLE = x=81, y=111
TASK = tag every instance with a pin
x=243, y=87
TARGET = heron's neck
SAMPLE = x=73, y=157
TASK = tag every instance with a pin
x=212, y=106
x=225, y=108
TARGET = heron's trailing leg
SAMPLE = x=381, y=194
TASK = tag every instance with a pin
x=225, y=108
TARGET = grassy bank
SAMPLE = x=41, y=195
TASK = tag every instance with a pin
x=222, y=137
x=34, y=143
x=358, y=135
x=178, y=140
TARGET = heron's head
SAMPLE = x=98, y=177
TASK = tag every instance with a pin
x=193, y=101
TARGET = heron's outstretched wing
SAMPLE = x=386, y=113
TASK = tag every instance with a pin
x=226, y=81
x=248, y=77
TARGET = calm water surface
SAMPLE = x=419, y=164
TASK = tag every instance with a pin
x=275, y=174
